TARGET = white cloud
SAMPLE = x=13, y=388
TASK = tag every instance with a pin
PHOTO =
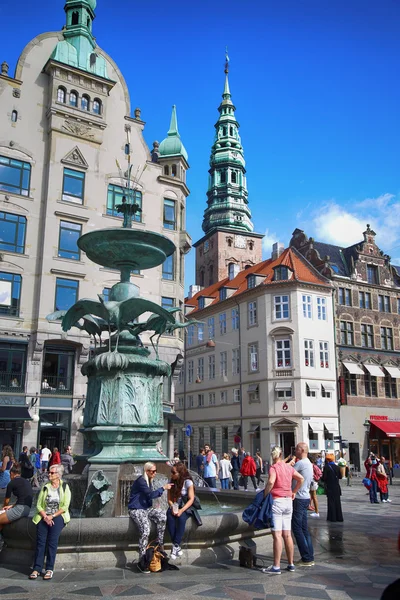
x=268, y=240
x=336, y=225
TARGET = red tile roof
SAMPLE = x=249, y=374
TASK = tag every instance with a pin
x=302, y=270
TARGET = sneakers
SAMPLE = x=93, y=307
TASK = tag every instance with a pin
x=290, y=568
x=175, y=552
x=272, y=570
x=388, y=500
x=384, y=501
x=142, y=569
x=315, y=515
x=303, y=563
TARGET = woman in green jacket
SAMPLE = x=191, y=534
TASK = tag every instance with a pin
x=52, y=514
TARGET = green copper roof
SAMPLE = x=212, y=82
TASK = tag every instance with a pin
x=78, y=47
x=172, y=144
x=227, y=204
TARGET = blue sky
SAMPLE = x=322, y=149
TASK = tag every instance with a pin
x=317, y=92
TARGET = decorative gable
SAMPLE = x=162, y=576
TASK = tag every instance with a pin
x=75, y=158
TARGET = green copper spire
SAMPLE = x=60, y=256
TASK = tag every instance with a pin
x=78, y=49
x=227, y=204
x=172, y=145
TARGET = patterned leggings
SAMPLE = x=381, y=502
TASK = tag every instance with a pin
x=142, y=519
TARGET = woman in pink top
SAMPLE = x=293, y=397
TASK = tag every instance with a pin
x=279, y=484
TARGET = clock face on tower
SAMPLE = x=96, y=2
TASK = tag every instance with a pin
x=240, y=241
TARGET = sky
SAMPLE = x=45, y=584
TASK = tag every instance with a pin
x=315, y=84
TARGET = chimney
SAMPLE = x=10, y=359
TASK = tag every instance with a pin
x=193, y=289
x=277, y=250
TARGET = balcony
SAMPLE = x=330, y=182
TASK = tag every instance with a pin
x=12, y=382
x=283, y=372
x=57, y=386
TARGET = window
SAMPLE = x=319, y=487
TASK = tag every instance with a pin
x=223, y=294
x=201, y=301
x=181, y=267
x=235, y=361
x=190, y=335
x=390, y=387
x=85, y=101
x=384, y=303
x=12, y=232
x=251, y=282
x=73, y=186
x=190, y=401
x=222, y=177
x=97, y=106
x=344, y=296
x=253, y=358
x=75, y=18
x=372, y=274
x=223, y=397
x=350, y=383
x=233, y=177
x=12, y=367
x=307, y=310
x=73, y=99
x=287, y=393
x=200, y=400
x=115, y=196
x=180, y=402
x=346, y=333
x=223, y=364
x=10, y=293
x=386, y=338
x=236, y=395
x=222, y=323
x=324, y=355
x=169, y=214
x=309, y=392
x=309, y=353
x=173, y=171
x=325, y=393
x=321, y=309
x=365, y=299
x=211, y=398
x=200, y=332
x=211, y=367
x=168, y=268
x=190, y=371
x=283, y=354
x=281, y=273
x=281, y=307
x=67, y=243
x=233, y=270
x=66, y=293
x=211, y=328
x=252, y=313
x=166, y=170
x=367, y=335
x=61, y=95
x=200, y=369
x=235, y=319
x=15, y=176
x=14, y=116
x=58, y=371
x=370, y=385
x=210, y=274
x=254, y=395
x=167, y=303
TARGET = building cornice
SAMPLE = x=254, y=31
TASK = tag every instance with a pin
x=231, y=231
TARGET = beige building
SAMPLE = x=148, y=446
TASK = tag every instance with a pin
x=260, y=369
x=65, y=128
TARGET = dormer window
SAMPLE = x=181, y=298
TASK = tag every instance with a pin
x=251, y=282
x=202, y=301
x=222, y=294
x=372, y=274
x=233, y=270
x=281, y=273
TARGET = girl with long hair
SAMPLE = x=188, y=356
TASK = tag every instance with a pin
x=8, y=459
x=180, y=499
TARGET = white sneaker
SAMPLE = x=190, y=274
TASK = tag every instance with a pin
x=178, y=551
x=173, y=555
x=388, y=500
x=384, y=500
x=258, y=490
x=314, y=515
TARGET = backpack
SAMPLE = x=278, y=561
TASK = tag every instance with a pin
x=317, y=473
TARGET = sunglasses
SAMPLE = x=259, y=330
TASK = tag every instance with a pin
x=174, y=472
x=153, y=471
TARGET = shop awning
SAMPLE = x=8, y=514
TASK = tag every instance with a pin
x=171, y=416
x=375, y=370
x=329, y=386
x=283, y=385
x=253, y=387
x=14, y=413
x=389, y=428
x=236, y=430
x=353, y=368
x=393, y=372
x=313, y=385
x=254, y=429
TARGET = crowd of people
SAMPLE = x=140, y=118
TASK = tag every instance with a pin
x=232, y=470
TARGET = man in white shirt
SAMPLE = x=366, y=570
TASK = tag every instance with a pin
x=300, y=506
x=211, y=467
x=45, y=457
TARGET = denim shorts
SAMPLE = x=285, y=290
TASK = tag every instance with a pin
x=18, y=511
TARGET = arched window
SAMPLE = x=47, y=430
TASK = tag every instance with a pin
x=88, y=22
x=97, y=106
x=166, y=170
x=251, y=245
x=61, y=94
x=14, y=116
x=233, y=177
x=231, y=131
x=222, y=176
x=229, y=242
x=73, y=98
x=75, y=18
x=224, y=131
x=173, y=170
x=85, y=101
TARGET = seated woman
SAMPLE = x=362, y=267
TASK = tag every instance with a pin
x=8, y=460
x=52, y=514
x=180, y=499
x=141, y=508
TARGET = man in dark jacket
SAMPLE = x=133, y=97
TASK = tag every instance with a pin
x=26, y=465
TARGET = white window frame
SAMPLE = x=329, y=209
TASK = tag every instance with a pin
x=252, y=313
x=309, y=392
x=236, y=395
x=283, y=353
x=235, y=319
x=222, y=323
x=200, y=332
x=321, y=308
x=190, y=401
x=223, y=396
x=223, y=364
x=284, y=394
x=324, y=354
x=309, y=353
x=211, y=366
x=235, y=361
x=325, y=393
x=307, y=306
x=281, y=305
x=180, y=402
x=211, y=328
x=211, y=398
x=253, y=358
x=190, y=371
x=200, y=368
x=190, y=335
x=200, y=400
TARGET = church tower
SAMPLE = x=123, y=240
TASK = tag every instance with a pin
x=229, y=244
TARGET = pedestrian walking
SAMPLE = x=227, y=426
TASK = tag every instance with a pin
x=45, y=456
x=200, y=460
x=317, y=474
x=248, y=469
x=300, y=505
x=211, y=467
x=331, y=476
x=259, y=467
x=235, y=468
x=371, y=465
x=7, y=458
x=225, y=469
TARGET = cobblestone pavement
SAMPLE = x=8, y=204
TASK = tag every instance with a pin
x=355, y=560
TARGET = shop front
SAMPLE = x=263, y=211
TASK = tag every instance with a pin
x=384, y=439
x=13, y=414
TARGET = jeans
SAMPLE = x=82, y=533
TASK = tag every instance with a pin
x=50, y=535
x=225, y=483
x=384, y=496
x=235, y=476
x=211, y=481
x=373, y=492
x=176, y=526
x=253, y=479
x=300, y=529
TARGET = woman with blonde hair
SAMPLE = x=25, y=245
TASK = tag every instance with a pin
x=279, y=485
x=225, y=469
x=7, y=457
x=141, y=509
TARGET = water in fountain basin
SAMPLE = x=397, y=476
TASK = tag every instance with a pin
x=200, y=482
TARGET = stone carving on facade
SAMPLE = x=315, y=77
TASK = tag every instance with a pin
x=37, y=351
x=78, y=129
x=75, y=158
x=83, y=355
x=16, y=93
